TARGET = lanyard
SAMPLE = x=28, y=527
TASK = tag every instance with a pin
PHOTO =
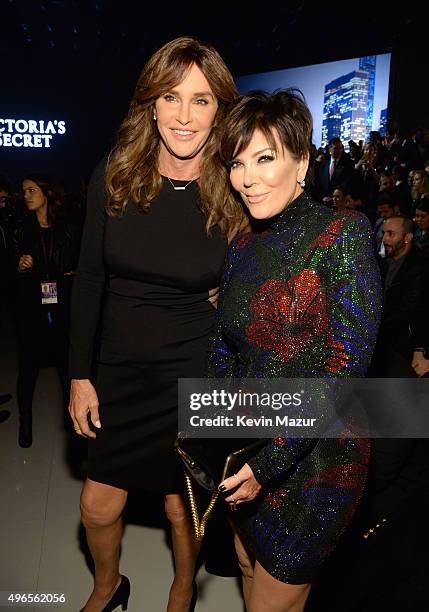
x=47, y=256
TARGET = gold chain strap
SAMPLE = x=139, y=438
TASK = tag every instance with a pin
x=199, y=526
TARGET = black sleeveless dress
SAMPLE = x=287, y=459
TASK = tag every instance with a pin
x=142, y=283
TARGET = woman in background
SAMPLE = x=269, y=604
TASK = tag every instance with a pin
x=46, y=248
x=419, y=187
x=339, y=198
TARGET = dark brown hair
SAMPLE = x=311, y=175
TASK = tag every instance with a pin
x=54, y=195
x=284, y=113
x=132, y=172
x=408, y=226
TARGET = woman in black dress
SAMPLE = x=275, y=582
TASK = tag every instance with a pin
x=46, y=248
x=159, y=214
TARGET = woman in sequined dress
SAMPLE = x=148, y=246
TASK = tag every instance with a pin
x=300, y=297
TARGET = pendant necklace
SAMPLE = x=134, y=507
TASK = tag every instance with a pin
x=179, y=187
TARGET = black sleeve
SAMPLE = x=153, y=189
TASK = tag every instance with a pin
x=399, y=471
x=74, y=233
x=221, y=359
x=419, y=326
x=16, y=249
x=90, y=280
x=411, y=308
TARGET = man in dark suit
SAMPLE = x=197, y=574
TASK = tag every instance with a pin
x=405, y=152
x=335, y=171
x=421, y=237
x=404, y=272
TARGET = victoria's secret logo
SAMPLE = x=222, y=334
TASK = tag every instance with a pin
x=29, y=132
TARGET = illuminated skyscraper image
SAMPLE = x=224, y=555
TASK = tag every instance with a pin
x=345, y=107
x=368, y=63
x=345, y=97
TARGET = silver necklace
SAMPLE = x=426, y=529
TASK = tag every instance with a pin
x=180, y=187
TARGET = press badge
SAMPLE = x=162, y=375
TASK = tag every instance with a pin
x=49, y=292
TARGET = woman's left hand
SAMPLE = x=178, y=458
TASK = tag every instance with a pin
x=213, y=296
x=422, y=367
x=419, y=363
x=241, y=487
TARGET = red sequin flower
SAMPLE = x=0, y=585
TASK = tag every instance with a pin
x=338, y=358
x=328, y=236
x=346, y=475
x=277, y=497
x=288, y=314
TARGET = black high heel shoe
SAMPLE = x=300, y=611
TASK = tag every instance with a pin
x=194, y=597
x=120, y=596
x=25, y=436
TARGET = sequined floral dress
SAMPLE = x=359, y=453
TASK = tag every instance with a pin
x=300, y=299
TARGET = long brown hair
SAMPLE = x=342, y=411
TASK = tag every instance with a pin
x=54, y=193
x=132, y=171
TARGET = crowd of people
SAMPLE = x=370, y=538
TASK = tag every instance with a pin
x=321, y=256
x=387, y=179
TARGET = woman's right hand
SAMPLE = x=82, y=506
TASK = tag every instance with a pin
x=25, y=263
x=420, y=364
x=84, y=401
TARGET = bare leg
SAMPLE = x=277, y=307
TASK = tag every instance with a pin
x=271, y=595
x=246, y=565
x=185, y=550
x=262, y=592
x=101, y=509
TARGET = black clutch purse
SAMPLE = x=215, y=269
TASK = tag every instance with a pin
x=207, y=462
